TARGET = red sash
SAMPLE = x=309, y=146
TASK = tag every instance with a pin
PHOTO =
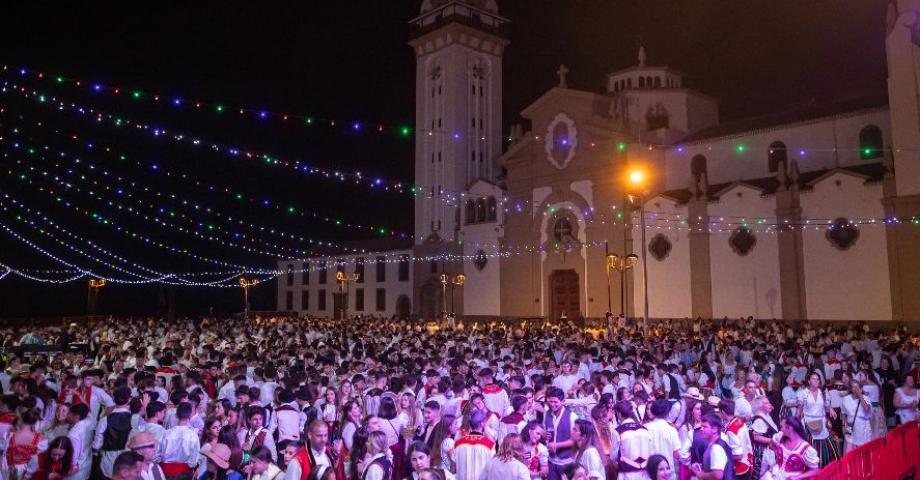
x=303, y=458
x=175, y=469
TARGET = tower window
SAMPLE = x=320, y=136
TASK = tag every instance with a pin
x=473, y=89
x=470, y=211
x=657, y=81
x=776, y=154
x=473, y=122
x=290, y=275
x=641, y=82
x=697, y=167
x=870, y=142
x=492, y=209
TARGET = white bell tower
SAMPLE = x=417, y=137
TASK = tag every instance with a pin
x=458, y=107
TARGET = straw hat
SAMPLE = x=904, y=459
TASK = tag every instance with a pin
x=141, y=440
x=220, y=455
x=713, y=401
x=694, y=393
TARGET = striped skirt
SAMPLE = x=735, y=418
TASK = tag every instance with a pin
x=828, y=449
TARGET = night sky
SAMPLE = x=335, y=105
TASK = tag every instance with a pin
x=347, y=61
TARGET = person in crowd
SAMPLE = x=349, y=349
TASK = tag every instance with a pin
x=420, y=460
x=658, y=468
x=127, y=466
x=218, y=464
x=379, y=466
x=631, y=444
x=796, y=458
x=762, y=430
x=22, y=446
x=256, y=435
x=857, y=411
x=261, y=466
x=814, y=414
x=508, y=463
x=145, y=445
x=558, y=422
x=906, y=400
x=58, y=462
x=718, y=461
x=472, y=451
x=586, y=454
x=665, y=440
x=113, y=430
x=180, y=447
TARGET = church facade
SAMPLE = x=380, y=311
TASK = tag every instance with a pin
x=804, y=214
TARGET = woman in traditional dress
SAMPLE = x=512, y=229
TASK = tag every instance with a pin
x=762, y=430
x=796, y=459
x=905, y=401
x=858, y=417
x=688, y=429
x=536, y=455
x=813, y=411
x=873, y=394
x=23, y=446
x=586, y=453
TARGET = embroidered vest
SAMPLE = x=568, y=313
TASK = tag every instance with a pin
x=118, y=426
x=562, y=433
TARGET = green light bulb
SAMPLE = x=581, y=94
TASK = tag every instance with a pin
x=219, y=108
x=621, y=146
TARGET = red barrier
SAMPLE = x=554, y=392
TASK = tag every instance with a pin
x=892, y=457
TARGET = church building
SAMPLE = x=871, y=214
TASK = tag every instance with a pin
x=637, y=199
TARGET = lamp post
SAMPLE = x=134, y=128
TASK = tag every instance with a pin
x=246, y=283
x=92, y=297
x=637, y=179
x=343, y=280
x=458, y=280
x=621, y=264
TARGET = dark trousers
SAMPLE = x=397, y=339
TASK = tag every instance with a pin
x=555, y=472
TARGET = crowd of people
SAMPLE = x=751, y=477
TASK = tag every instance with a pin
x=384, y=399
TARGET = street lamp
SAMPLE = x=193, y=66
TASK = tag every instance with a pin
x=92, y=297
x=637, y=180
x=343, y=280
x=620, y=264
x=458, y=281
x=246, y=283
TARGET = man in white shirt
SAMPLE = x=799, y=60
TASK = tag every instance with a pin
x=80, y=436
x=153, y=424
x=145, y=445
x=716, y=459
x=180, y=447
x=473, y=451
x=288, y=419
x=113, y=431
x=665, y=441
x=495, y=397
x=566, y=380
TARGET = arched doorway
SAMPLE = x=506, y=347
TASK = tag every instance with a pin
x=403, y=307
x=563, y=295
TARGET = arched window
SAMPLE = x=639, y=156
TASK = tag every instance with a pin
x=470, y=211
x=776, y=154
x=641, y=82
x=562, y=230
x=698, y=167
x=870, y=142
x=492, y=209
x=290, y=275
x=481, y=210
x=657, y=81
x=629, y=82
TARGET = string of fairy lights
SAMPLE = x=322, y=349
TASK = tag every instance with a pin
x=235, y=192
x=41, y=168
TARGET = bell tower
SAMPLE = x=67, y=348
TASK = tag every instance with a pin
x=902, y=195
x=458, y=47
